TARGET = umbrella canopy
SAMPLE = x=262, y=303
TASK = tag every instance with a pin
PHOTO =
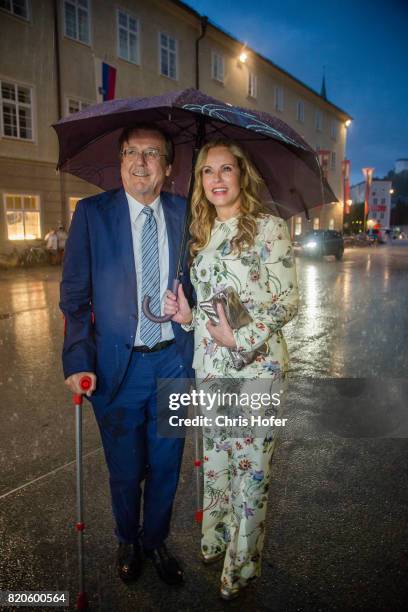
x=289, y=166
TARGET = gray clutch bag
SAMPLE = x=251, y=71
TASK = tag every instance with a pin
x=237, y=316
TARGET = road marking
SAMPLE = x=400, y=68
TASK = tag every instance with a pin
x=58, y=469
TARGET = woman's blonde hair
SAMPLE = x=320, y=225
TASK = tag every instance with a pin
x=203, y=212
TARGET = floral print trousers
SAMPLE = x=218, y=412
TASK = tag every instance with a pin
x=236, y=482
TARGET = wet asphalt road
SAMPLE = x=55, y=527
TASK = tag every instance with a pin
x=337, y=516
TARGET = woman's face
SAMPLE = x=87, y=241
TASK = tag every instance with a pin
x=221, y=182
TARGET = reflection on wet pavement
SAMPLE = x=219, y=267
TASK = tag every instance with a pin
x=353, y=320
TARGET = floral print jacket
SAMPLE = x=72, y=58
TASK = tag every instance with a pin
x=265, y=278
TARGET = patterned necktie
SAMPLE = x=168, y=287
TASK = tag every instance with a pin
x=150, y=333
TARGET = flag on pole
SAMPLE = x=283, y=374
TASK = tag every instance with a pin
x=345, y=170
x=368, y=175
x=105, y=76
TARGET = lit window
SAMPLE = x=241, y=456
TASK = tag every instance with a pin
x=278, y=98
x=128, y=37
x=168, y=56
x=333, y=129
x=300, y=115
x=252, y=85
x=76, y=22
x=72, y=206
x=16, y=110
x=316, y=223
x=319, y=120
x=298, y=226
x=333, y=161
x=331, y=224
x=74, y=105
x=22, y=216
x=217, y=66
x=19, y=8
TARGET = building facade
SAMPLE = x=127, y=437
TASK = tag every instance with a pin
x=51, y=58
x=379, y=202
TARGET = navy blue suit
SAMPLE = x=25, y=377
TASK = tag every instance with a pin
x=99, y=301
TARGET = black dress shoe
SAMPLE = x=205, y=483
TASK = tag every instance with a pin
x=129, y=562
x=167, y=566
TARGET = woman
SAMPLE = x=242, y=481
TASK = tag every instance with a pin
x=235, y=244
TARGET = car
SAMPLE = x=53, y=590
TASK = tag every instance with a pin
x=323, y=242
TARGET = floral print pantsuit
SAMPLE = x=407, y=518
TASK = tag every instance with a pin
x=237, y=469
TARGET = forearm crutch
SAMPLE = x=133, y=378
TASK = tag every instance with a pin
x=82, y=599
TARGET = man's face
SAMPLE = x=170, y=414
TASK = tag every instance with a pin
x=144, y=167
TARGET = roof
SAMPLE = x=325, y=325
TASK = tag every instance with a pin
x=196, y=14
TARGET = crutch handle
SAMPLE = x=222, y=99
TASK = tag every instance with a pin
x=85, y=383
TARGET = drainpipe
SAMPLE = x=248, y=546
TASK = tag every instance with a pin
x=204, y=23
x=64, y=212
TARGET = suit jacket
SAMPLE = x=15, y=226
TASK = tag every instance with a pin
x=99, y=292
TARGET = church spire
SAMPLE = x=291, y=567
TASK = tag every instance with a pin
x=323, y=89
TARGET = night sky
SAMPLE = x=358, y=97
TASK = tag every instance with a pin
x=363, y=46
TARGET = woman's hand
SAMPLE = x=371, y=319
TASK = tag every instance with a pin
x=178, y=306
x=222, y=333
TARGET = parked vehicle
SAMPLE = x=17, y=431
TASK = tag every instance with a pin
x=319, y=243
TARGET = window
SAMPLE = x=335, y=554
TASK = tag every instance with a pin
x=128, y=37
x=252, y=85
x=16, y=110
x=333, y=161
x=217, y=66
x=22, y=216
x=72, y=206
x=300, y=114
x=331, y=226
x=76, y=20
x=278, y=98
x=319, y=121
x=19, y=8
x=298, y=226
x=168, y=56
x=74, y=105
x=333, y=129
x=316, y=223
x=382, y=200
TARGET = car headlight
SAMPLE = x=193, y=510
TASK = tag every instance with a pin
x=310, y=245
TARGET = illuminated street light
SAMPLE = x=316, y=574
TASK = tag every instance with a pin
x=243, y=57
x=349, y=202
x=347, y=123
x=391, y=191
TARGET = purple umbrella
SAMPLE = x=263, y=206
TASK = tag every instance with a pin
x=289, y=166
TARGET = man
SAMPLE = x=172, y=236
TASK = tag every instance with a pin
x=122, y=245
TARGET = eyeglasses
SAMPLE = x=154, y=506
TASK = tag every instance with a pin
x=148, y=155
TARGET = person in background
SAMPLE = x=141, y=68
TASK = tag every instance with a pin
x=51, y=244
x=61, y=238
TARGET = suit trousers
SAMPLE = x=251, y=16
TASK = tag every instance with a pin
x=134, y=452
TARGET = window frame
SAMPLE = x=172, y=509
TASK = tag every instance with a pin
x=11, y=12
x=32, y=109
x=12, y=193
x=81, y=102
x=300, y=116
x=318, y=120
x=279, y=98
x=136, y=62
x=333, y=129
x=75, y=3
x=333, y=161
x=220, y=56
x=176, y=52
x=252, y=85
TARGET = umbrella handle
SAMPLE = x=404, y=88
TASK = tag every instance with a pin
x=146, y=306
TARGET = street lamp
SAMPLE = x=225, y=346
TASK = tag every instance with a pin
x=243, y=57
x=347, y=123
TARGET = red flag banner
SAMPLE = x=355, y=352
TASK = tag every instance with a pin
x=368, y=175
x=345, y=171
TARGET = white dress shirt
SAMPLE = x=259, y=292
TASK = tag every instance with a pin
x=137, y=220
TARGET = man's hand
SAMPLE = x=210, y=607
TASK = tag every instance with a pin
x=178, y=306
x=72, y=383
x=222, y=333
